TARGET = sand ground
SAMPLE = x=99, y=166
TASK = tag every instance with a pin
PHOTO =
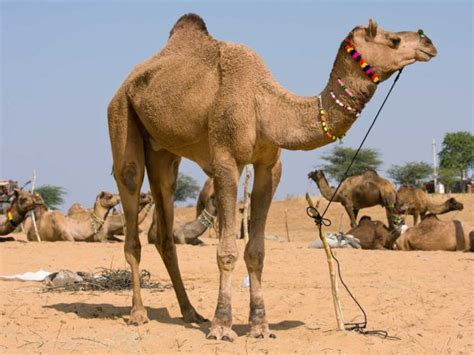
x=424, y=298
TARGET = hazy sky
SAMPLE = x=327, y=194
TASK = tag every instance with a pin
x=62, y=61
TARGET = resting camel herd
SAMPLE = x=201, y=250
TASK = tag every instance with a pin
x=217, y=104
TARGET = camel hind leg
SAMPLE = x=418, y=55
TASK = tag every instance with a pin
x=162, y=170
x=129, y=168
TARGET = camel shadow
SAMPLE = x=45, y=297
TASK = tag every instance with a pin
x=109, y=311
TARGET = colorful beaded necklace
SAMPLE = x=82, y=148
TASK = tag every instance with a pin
x=357, y=57
x=342, y=104
x=346, y=89
x=323, y=117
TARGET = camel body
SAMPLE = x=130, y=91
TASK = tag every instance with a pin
x=432, y=234
x=373, y=234
x=55, y=226
x=217, y=104
x=416, y=202
x=361, y=191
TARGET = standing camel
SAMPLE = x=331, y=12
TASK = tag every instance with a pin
x=361, y=191
x=415, y=201
x=217, y=104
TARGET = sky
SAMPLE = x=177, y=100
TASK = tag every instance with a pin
x=62, y=62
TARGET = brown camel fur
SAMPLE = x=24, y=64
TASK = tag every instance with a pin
x=373, y=234
x=189, y=233
x=414, y=201
x=361, y=191
x=55, y=226
x=114, y=223
x=23, y=202
x=217, y=104
x=433, y=234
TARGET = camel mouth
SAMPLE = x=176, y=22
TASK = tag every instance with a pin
x=425, y=55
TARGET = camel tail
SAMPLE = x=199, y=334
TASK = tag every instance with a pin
x=190, y=20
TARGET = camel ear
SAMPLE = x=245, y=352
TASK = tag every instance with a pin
x=16, y=192
x=371, y=30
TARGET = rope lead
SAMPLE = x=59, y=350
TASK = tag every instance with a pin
x=321, y=221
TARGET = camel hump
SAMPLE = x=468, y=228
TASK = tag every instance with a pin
x=370, y=172
x=189, y=21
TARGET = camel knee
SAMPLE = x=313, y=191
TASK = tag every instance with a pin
x=226, y=259
x=254, y=259
x=133, y=250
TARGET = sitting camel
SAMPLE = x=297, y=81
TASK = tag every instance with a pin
x=373, y=234
x=23, y=201
x=114, y=223
x=55, y=226
x=414, y=201
x=433, y=234
x=206, y=193
x=189, y=233
x=360, y=191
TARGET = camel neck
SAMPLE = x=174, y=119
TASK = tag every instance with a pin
x=14, y=217
x=326, y=190
x=293, y=122
x=99, y=210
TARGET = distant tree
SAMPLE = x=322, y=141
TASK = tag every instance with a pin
x=53, y=196
x=340, y=157
x=457, y=152
x=186, y=187
x=413, y=173
x=447, y=177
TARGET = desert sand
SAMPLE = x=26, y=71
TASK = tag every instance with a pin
x=424, y=298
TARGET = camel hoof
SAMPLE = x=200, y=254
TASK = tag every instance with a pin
x=222, y=333
x=138, y=317
x=194, y=317
x=261, y=331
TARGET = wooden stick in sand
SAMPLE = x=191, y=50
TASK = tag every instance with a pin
x=286, y=225
x=246, y=204
x=332, y=274
x=33, y=218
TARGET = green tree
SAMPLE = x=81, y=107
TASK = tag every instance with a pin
x=186, y=187
x=340, y=157
x=413, y=173
x=53, y=196
x=447, y=177
x=457, y=152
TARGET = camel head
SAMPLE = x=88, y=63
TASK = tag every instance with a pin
x=108, y=200
x=25, y=200
x=145, y=199
x=454, y=205
x=386, y=52
x=365, y=220
x=317, y=175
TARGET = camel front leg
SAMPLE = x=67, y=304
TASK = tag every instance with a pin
x=265, y=182
x=226, y=177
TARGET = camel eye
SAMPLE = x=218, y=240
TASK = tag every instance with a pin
x=395, y=42
x=421, y=33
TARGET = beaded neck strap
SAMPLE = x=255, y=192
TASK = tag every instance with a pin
x=357, y=57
